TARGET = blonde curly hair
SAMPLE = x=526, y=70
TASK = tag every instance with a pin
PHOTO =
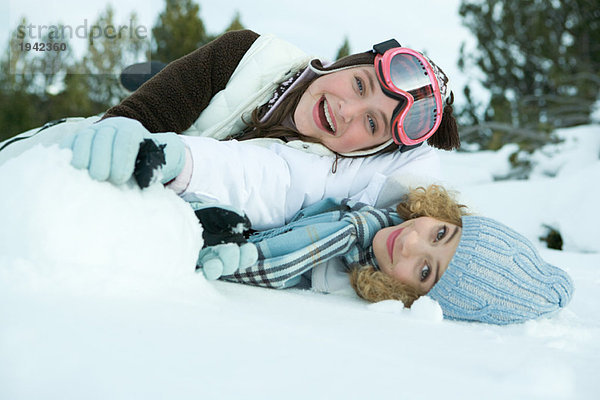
x=433, y=201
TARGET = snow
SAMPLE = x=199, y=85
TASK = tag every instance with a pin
x=99, y=299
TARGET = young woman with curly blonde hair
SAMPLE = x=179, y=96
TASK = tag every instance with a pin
x=371, y=283
x=476, y=268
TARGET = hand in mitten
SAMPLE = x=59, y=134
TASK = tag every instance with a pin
x=222, y=224
x=225, y=259
x=109, y=150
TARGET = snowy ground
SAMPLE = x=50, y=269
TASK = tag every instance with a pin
x=98, y=300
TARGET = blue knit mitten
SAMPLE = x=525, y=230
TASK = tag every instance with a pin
x=225, y=259
x=109, y=149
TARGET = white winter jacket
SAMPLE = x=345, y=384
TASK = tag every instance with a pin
x=269, y=179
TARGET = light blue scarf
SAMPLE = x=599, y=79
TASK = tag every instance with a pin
x=330, y=228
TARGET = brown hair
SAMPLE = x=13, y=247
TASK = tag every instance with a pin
x=445, y=138
x=274, y=127
x=433, y=201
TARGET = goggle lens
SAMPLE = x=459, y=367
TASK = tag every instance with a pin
x=420, y=118
x=409, y=74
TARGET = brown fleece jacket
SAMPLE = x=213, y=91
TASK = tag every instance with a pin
x=173, y=99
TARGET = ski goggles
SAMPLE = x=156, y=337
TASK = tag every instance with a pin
x=408, y=76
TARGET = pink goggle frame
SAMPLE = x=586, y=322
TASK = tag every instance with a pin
x=406, y=75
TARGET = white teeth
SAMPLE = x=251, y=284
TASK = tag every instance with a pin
x=329, y=121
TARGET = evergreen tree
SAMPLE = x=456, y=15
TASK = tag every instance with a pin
x=104, y=60
x=540, y=59
x=21, y=88
x=51, y=66
x=40, y=86
x=344, y=50
x=236, y=23
x=37, y=87
x=178, y=31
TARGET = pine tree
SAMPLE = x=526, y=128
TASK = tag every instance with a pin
x=106, y=57
x=178, y=31
x=22, y=88
x=540, y=61
x=37, y=87
x=236, y=23
x=344, y=50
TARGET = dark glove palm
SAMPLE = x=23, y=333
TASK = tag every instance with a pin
x=222, y=225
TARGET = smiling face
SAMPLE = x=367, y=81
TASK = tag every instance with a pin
x=346, y=110
x=416, y=252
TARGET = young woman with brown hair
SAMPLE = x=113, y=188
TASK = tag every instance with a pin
x=317, y=130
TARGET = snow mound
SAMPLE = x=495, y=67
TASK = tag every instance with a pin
x=67, y=231
x=423, y=309
x=561, y=193
x=99, y=299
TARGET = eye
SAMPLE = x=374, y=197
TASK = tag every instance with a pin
x=359, y=85
x=441, y=233
x=372, y=124
x=425, y=271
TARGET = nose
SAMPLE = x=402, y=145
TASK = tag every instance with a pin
x=348, y=110
x=410, y=244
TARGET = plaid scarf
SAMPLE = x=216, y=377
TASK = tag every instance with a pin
x=327, y=229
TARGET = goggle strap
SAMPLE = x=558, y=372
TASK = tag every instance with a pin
x=381, y=48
